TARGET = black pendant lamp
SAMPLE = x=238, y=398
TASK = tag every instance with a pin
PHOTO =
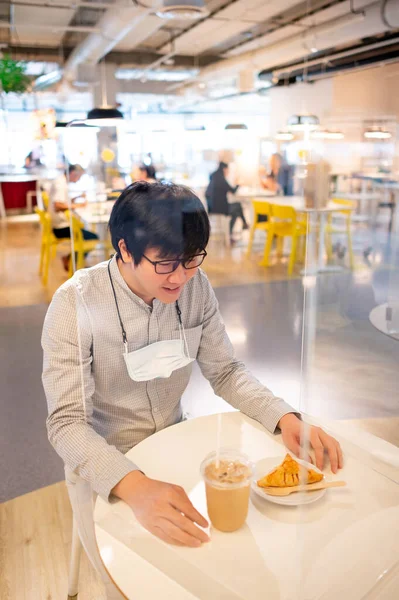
x=104, y=115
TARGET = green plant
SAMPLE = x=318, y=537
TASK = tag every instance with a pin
x=12, y=76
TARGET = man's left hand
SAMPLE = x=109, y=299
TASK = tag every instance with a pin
x=292, y=431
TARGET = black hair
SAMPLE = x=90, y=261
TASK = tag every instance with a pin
x=72, y=168
x=149, y=171
x=159, y=215
x=222, y=166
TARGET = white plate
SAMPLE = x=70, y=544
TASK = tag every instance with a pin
x=266, y=465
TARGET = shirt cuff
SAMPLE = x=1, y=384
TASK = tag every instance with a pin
x=274, y=413
x=115, y=472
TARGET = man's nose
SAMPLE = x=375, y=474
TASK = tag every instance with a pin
x=179, y=276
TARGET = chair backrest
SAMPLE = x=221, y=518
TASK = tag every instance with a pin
x=283, y=212
x=77, y=227
x=45, y=221
x=46, y=199
x=261, y=208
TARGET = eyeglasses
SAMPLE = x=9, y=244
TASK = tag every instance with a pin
x=163, y=267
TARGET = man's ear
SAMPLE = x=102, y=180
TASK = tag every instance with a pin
x=124, y=252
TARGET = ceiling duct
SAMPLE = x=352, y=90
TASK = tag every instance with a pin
x=342, y=29
x=116, y=23
x=356, y=58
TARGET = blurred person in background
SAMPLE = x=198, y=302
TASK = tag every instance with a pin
x=280, y=177
x=144, y=173
x=216, y=196
x=60, y=203
x=33, y=161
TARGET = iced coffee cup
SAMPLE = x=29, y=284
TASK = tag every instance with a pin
x=227, y=488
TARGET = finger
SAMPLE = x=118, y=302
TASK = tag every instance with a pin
x=178, y=534
x=175, y=517
x=318, y=448
x=340, y=457
x=332, y=448
x=158, y=532
x=296, y=448
x=181, y=501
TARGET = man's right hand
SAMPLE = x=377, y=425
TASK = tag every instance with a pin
x=163, y=509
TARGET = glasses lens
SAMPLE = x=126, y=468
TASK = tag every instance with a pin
x=194, y=261
x=164, y=267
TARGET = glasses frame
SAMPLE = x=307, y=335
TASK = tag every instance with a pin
x=177, y=261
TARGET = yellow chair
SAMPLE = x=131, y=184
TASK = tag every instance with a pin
x=260, y=209
x=284, y=222
x=331, y=229
x=46, y=199
x=80, y=245
x=49, y=243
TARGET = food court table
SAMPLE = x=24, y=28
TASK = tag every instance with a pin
x=342, y=546
x=97, y=214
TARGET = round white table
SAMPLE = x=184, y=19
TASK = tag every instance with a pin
x=345, y=545
x=378, y=318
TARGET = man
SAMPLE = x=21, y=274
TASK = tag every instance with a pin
x=125, y=332
x=60, y=202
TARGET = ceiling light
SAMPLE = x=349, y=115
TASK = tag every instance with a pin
x=182, y=9
x=284, y=136
x=63, y=124
x=377, y=133
x=104, y=116
x=236, y=126
x=303, y=122
x=326, y=134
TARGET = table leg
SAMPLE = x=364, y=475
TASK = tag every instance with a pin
x=2, y=207
x=320, y=266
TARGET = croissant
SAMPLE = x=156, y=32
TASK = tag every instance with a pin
x=288, y=474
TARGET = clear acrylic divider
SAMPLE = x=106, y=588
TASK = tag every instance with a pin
x=347, y=542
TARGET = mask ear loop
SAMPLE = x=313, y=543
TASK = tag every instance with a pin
x=181, y=329
x=117, y=308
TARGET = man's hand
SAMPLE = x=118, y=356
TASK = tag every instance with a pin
x=163, y=509
x=292, y=432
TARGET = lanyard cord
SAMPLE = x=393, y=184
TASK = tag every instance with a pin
x=117, y=306
x=119, y=314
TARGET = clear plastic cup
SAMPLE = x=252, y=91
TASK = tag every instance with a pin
x=227, y=488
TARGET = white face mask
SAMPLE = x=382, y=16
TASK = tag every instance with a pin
x=157, y=360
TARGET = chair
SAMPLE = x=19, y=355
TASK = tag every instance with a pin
x=331, y=229
x=284, y=222
x=222, y=226
x=80, y=246
x=46, y=199
x=49, y=243
x=260, y=209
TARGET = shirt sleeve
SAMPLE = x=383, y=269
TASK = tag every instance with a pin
x=69, y=386
x=229, y=377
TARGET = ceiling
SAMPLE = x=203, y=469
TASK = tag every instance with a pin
x=237, y=35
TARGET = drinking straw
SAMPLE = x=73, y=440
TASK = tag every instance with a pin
x=218, y=438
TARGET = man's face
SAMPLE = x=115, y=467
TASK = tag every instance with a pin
x=74, y=176
x=148, y=284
